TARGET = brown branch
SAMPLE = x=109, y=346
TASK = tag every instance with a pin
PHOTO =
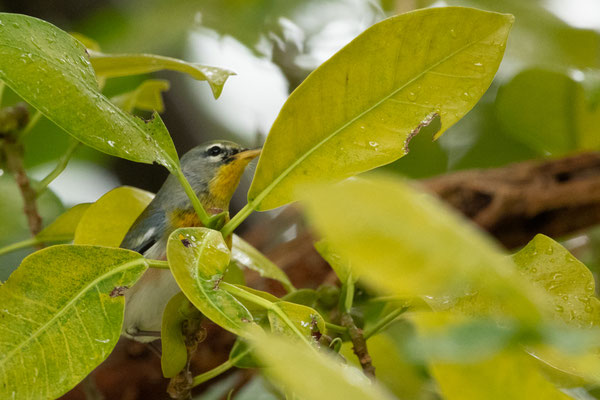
x=359, y=345
x=514, y=203
x=12, y=119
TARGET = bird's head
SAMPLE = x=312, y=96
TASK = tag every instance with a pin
x=214, y=170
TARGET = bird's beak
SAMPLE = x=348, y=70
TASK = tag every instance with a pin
x=248, y=154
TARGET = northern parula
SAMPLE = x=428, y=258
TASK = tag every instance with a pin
x=214, y=170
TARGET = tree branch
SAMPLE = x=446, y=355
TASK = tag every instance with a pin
x=12, y=119
x=516, y=202
x=359, y=345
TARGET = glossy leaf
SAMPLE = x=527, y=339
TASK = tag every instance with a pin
x=147, y=96
x=313, y=376
x=245, y=254
x=391, y=362
x=510, y=375
x=50, y=69
x=113, y=65
x=549, y=112
x=568, y=284
x=373, y=222
x=61, y=316
x=360, y=109
x=198, y=258
x=307, y=320
x=63, y=227
x=174, y=351
x=107, y=221
x=570, y=294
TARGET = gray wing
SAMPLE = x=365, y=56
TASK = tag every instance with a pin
x=147, y=229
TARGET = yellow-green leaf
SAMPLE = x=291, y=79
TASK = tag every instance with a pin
x=174, y=352
x=306, y=319
x=311, y=375
x=567, y=282
x=113, y=65
x=360, y=109
x=63, y=227
x=198, y=258
x=373, y=223
x=107, y=221
x=548, y=111
x=50, y=69
x=245, y=254
x=570, y=294
x=509, y=375
x=61, y=316
x=147, y=96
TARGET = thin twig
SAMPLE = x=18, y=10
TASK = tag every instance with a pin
x=32, y=123
x=60, y=167
x=12, y=119
x=359, y=345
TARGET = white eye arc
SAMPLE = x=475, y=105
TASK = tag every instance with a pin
x=214, y=150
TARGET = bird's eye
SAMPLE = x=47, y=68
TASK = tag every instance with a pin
x=214, y=151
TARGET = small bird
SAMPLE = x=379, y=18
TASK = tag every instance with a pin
x=214, y=170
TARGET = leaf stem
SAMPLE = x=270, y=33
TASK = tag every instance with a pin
x=336, y=328
x=264, y=303
x=2, y=86
x=359, y=345
x=60, y=167
x=19, y=245
x=204, y=217
x=32, y=242
x=200, y=379
x=383, y=322
x=160, y=264
x=237, y=220
x=31, y=124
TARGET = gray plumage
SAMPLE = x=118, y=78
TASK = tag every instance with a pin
x=146, y=300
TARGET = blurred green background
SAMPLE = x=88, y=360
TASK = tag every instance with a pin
x=543, y=102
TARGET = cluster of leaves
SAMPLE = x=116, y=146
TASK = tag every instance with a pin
x=484, y=324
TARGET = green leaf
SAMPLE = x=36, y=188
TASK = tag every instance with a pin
x=571, y=299
x=360, y=109
x=234, y=274
x=373, y=222
x=305, y=297
x=445, y=337
x=63, y=227
x=198, y=258
x=569, y=285
x=61, y=316
x=107, y=221
x=88, y=42
x=510, y=375
x=147, y=96
x=549, y=112
x=307, y=320
x=245, y=254
x=313, y=376
x=50, y=69
x=113, y=65
x=340, y=265
x=174, y=351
